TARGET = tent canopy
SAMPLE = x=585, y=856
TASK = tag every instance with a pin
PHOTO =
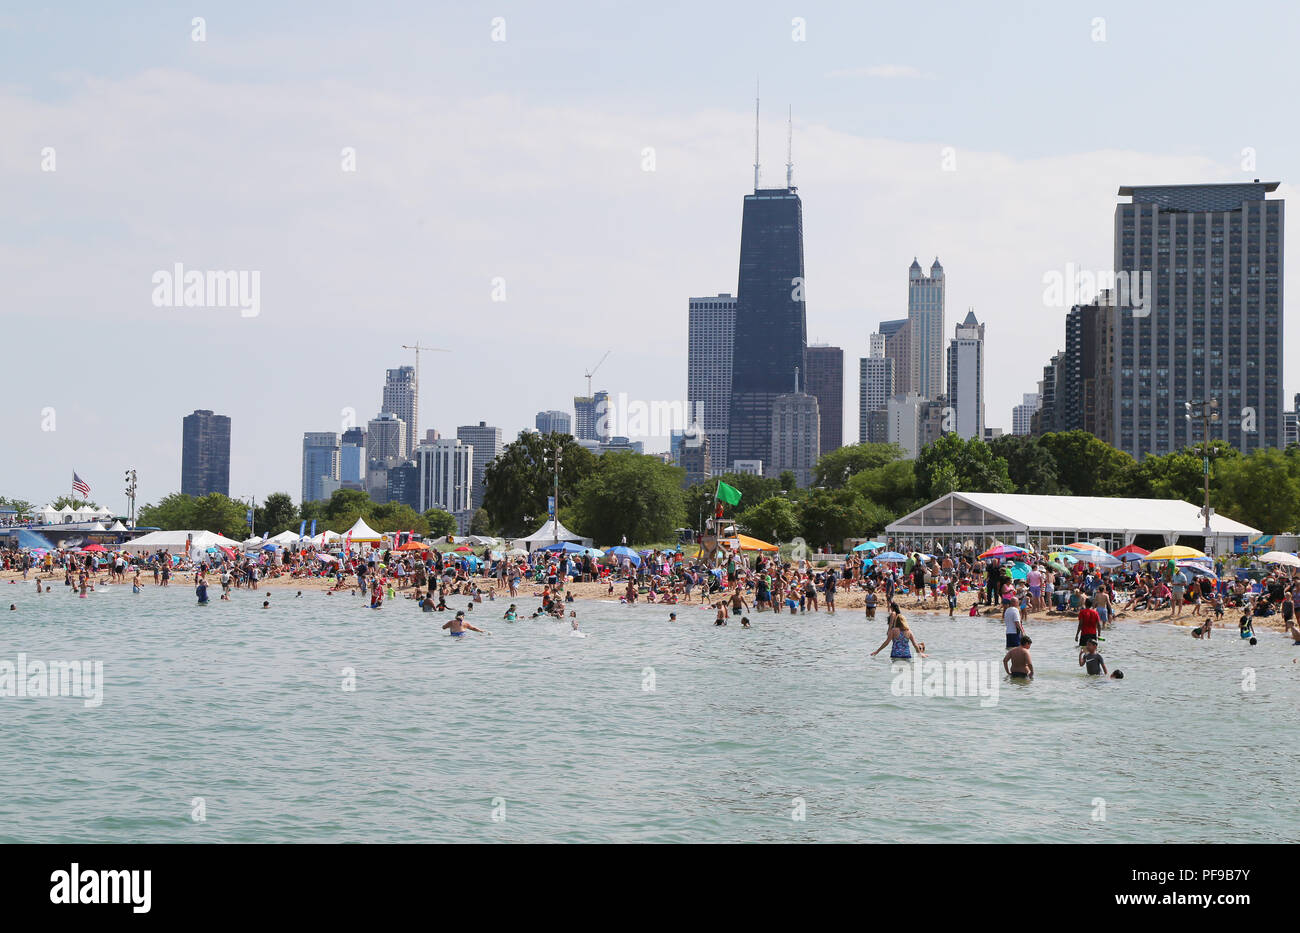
x=362, y=533
x=549, y=534
x=174, y=541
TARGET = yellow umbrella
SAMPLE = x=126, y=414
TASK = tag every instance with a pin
x=753, y=544
x=1176, y=552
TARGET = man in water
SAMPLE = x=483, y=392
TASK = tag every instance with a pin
x=1089, y=621
x=459, y=626
x=1017, y=662
x=1088, y=655
x=1015, y=631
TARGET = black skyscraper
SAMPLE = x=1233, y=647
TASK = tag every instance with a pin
x=770, y=334
x=205, y=454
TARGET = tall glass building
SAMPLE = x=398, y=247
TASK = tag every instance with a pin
x=925, y=299
x=320, y=465
x=205, y=454
x=825, y=380
x=771, y=332
x=710, y=341
x=1211, y=327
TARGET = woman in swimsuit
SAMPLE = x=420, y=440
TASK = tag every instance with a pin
x=900, y=635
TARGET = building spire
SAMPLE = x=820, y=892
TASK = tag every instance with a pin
x=756, y=135
x=789, y=148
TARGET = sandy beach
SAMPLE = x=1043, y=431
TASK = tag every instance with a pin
x=16, y=589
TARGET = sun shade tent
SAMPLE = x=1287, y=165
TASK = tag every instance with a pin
x=361, y=533
x=549, y=534
x=174, y=542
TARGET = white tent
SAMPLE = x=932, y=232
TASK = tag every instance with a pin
x=284, y=539
x=98, y=526
x=116, y=526
x=174, y=542
x=362, y=533
x=549, y=533
x=323, y=538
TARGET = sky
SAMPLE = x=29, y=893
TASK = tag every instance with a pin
x=531, y=185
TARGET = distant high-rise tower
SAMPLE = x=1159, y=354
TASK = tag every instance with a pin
x=710, y=341
x=591, y=417
x=446, y=475
x=898, y=347
x=1211, y=328
x=875, y=389
x=485, y=440
x=925, y=298
x=825, y=368
x=352, y=458
x=402, y=398
x=771, y=331
x=1022, y=415
x=320, y=465
x=205, y=454
x=387, y=437
x=553, y=422
x=966, y=379
x=796, y=436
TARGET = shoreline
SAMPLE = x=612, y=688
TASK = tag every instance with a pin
x=854, y=601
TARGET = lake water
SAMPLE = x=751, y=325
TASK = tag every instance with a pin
x=641, y=731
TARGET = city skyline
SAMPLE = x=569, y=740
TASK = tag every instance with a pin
x=1023, y=199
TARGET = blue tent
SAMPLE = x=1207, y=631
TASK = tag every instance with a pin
x=564, y=547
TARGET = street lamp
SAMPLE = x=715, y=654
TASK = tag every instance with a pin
x=1208, y=413
x=130, y=497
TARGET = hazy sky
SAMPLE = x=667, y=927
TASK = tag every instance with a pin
x=523, y=160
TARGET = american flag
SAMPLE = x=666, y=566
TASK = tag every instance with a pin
x=79, y=485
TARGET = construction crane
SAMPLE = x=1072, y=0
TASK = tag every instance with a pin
x=591, y=372
x=417, y=348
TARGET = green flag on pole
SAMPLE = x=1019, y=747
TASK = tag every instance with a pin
x=728, y=494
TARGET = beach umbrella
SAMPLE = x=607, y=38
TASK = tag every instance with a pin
x=753, y=544
x=1003, y=550
x=94, y=547
x=1137, y=552
x=1082, y=546
x=1272, y=557
x=869, y=546
x=890, y=557
x=1196, y=568
x=1018, y=571
x=1174, y=552
x=516, y=552
x=1130, y=557
x=621, y=551
x=595, y=552
x=567, y=547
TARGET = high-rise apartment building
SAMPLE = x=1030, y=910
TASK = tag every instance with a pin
x=966, y=379
x=875, y=389
x=446, y=475
x=553, y=422
x=485, y=441
x=320, y=465
x=1202, y=317
x=205, y=454
x=824, y=366
x=402, y=398
x=710, y=341
x=386, y=437
x=591, y=417
x=796, y=436
x=925, y=309
x=352, y=459
x=1022, y=415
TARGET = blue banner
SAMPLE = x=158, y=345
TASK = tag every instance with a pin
x=248, y=519
x=313, y=527
x=302, y=528
x=550, y=506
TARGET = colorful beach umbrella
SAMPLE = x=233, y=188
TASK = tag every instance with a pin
x=1174, y=552
x=1130, y=549
x=870, y=546
x=891, y=557
x=1280, y=557
x=1003, y=550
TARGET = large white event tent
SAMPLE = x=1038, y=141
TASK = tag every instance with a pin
x=174, y=542
x=979, y=519
x=362, y=533
x=549, y=533
x=284, y=539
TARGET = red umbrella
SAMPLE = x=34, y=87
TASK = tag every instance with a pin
x=463, y=549
x=1131, y=549
x=94, y=547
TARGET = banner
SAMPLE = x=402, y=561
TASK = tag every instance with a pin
x=302, y=528
x=313, y=527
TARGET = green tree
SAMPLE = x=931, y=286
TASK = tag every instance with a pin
x=21, y=506
x=787, y=481
x=630, y=495
x=892, y=486
x=1030, y=465
x=774, y=520
x=440, y=523
x=1087, y=466
x=397, y=516
x=954, y=464
x=225, y=516
x=1262, y=490
x=276, y=514
x=480, y=523
x=71, y=502
x=518, y=481
x=835, y=467
x=174, y=513
x=828, y=516
x=345, y=503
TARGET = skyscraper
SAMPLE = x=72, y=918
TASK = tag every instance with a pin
x=1211, y=327
x=897, y=336
x=485, y=441
x=710, y=341
x=591, y=417
x=875, y=388
x=320, y=465
x=352, y=459
x=402, y=398
x=796, y=441
x=966, y=379
x=771, y=332
x=1084, y=391
x=205, y=454
x=925, y=301
x=386, y=437
x=1048, y=418
x=553, y=422
x=1022, y=415
x=446, y=475
x=825, y=368
x=906, y=412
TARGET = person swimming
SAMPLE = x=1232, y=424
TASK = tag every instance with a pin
x=1017, y=662
x=459, y=626
x=511, y=614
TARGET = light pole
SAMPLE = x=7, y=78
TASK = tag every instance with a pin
x=130, y=497
x=1208, y=413
x=252, y=516
x=555, y=517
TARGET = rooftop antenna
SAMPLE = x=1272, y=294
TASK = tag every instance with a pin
x=789, y=148
x=796, y=380
x=756, y=135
